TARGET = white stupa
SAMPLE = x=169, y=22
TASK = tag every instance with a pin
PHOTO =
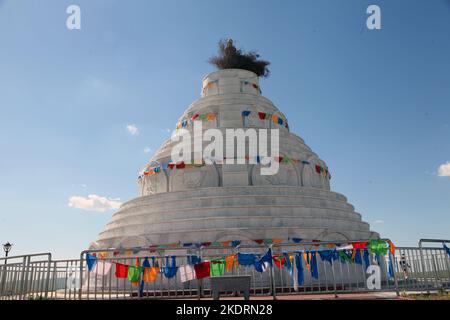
x=222, y=202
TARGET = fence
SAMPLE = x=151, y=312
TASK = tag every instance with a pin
x=38, y=276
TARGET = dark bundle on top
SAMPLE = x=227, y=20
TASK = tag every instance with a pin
x=231, y=58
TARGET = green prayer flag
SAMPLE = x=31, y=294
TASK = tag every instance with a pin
x=268, y=241
x=217, y=267
x=202, y=117
x=343, y=255
x=268, y=116
x=134, y=273
x=378, y=247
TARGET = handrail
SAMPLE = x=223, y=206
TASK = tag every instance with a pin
x=433, y=241
x=302, y=243
x=26, y=255
x=422, y=261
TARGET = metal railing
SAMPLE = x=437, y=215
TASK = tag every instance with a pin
x=37, y=276
x=23, y=275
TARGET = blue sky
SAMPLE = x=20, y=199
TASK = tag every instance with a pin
x=373, y=104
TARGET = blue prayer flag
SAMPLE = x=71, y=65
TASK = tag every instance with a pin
x=366, y=258
x=447, y=250
x=90, y=261
x=314, y=267
x=235, y=243
x=329, y=255
x=298, y=264
x=391, y=268
x=170, y=271
x=246, y=259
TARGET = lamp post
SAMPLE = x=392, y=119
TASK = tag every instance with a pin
x=7, y=248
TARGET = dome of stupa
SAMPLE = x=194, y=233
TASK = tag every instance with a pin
x=188, y=203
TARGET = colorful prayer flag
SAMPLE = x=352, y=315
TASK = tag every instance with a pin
x=90, y=261
x=230, y=261
x=102, y=268
x=121, y=270
x=202, y=270
x=217, y=267
x=187, y=273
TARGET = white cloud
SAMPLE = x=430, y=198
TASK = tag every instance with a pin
x=167, y=130
x=147, y=150
x=132, y=129
x=378, y=222
x=94, y=202
x=444, y=170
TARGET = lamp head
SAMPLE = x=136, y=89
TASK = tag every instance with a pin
x=7, y=247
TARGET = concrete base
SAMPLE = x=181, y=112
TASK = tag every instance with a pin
x=234, y=213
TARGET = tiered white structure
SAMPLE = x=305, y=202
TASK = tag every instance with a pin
x=222, y=202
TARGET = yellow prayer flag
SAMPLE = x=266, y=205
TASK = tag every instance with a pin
x=230, y=261
x=225, y=243
x=391, y=247
x=150, y=274
x=103, y=255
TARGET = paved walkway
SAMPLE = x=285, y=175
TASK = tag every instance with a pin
x=344, y=296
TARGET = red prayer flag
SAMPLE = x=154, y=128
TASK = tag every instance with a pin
x=359, y=245
x=121, y=270
x=181, y=165
x=171, y=165
x=202, y=270
x=317, y=245
x=318, y=169
x=259, y=241
x=262, y=115
x=279, y=261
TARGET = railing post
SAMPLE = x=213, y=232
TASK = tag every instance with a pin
x=4, y=268
x=200, y=281
x=22, y=279
x=80, y=290
x=422, y=261
x=272, y=276
x=435, y=269
x=334, y=279
x=446, y=259
x=393, y=263
x=47, y=281
x=28, y=284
